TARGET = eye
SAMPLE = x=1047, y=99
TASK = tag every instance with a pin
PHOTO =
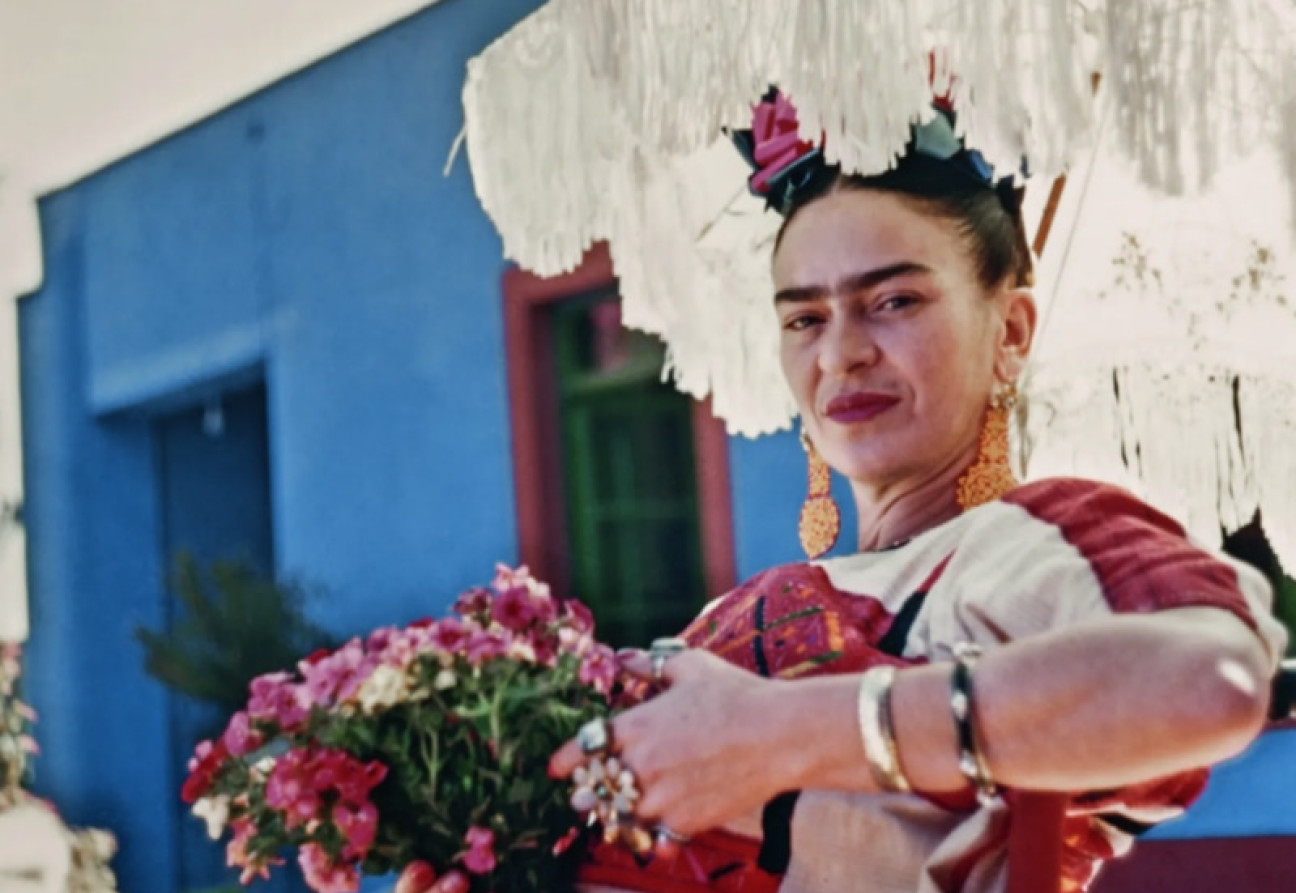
x=896, y=302
x=799, y=322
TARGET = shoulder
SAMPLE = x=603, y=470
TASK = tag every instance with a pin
x=1074, y=503
x=1141, y=558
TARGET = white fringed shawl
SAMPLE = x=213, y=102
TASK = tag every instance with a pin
x=601, y=120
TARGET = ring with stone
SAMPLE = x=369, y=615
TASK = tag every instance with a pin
x=661, y=651
x=606, y=792
x=595, y=737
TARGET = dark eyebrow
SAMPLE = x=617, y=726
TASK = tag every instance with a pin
x=854, y=283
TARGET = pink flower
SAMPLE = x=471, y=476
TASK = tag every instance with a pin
x=513, y=610
x=379, y=639
x=359, y=825
x=240, y=738
x=401, y=648
x=507, y=578
x=546, y=645
x=776, y=142
x=577, y=617
x=237, y=855
x=337, y=676
x=480, y=858
x=486, y=645
x=324, y=874
x=451, y=635
x=474, y=603
x=275, y=698
x=599, y=669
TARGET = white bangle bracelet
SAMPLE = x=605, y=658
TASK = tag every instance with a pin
x=877, y=732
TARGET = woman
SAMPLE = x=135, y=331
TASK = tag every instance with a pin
x=1119, y=657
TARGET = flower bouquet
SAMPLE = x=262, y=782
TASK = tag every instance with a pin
x=421, y=749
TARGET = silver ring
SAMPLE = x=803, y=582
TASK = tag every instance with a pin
x=666, y=835
x=595, y=737
x=659, y=666
x=669, y=647
x=663, y=650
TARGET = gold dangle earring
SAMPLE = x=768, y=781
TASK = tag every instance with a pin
x=990, y=475
x=820, y=520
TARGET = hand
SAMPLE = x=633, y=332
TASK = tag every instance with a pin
x=705, y=751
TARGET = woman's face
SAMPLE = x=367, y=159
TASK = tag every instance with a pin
x=891, y=344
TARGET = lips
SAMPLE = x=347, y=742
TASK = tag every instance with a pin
x=859, y=406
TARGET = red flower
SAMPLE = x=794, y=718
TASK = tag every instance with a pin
x=480, y=858
x=315, y=657
x=207, y=761
x=358, y=779
x=418, y=877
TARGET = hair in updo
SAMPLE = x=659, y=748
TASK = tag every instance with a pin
x=990, y=218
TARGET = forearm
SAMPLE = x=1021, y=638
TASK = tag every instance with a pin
x=1092, y=707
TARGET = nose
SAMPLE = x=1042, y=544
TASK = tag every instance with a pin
x=846, y=345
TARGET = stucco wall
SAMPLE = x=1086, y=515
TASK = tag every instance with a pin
x=304, y=237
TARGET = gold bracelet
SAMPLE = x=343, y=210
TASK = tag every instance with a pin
x=877, y=731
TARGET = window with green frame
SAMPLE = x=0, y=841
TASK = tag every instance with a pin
x=634, y=542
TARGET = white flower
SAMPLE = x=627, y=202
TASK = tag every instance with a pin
x=445, y=679
x=519, y=649
x=386, y=685
x=215, y=812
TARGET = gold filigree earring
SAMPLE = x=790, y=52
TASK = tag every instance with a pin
x=990, y=475
x=820, y=519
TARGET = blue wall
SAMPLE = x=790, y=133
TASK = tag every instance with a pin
x=304, y=238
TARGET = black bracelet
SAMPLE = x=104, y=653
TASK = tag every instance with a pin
x=971, y=761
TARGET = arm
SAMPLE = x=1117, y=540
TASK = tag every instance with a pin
x=1094, y=706
x=1098, y=705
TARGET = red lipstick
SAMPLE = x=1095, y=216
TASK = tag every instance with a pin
x=859, y=406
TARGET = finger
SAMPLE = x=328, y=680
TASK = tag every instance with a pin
x=640, y=665
x=666, y=846
x=565, y=760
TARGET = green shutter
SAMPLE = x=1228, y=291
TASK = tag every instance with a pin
x=629, y=477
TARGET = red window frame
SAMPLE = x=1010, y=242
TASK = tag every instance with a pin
x=533, y=409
